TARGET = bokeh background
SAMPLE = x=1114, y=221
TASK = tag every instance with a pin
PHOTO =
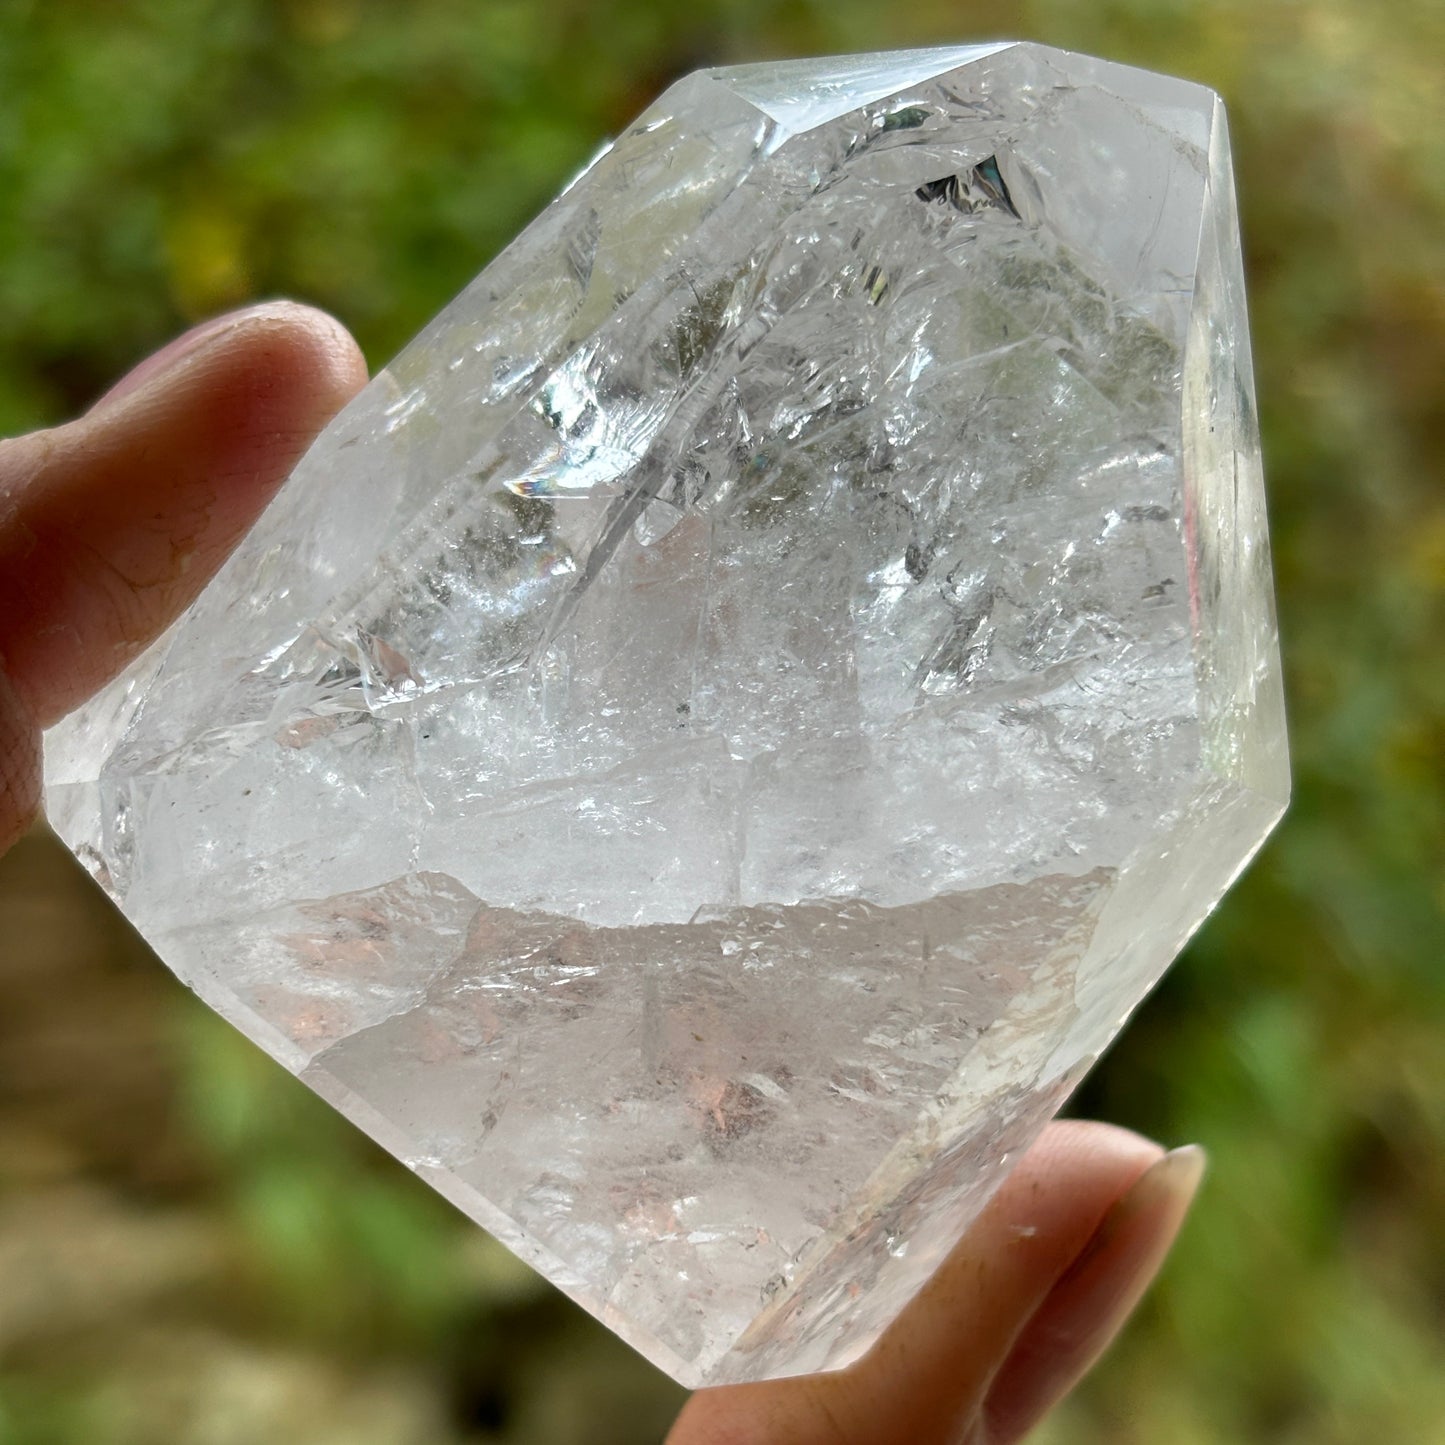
x=193, y=1251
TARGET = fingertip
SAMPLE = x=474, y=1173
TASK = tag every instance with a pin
x=1093, y=1299
x=1097, y=1136
x=248, y=403
x=304, y=345
x=306, y=348
x=1072, y=1175
x=118, y=519
x=1094, y=1146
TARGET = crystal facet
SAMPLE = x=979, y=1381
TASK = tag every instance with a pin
x=711, y=744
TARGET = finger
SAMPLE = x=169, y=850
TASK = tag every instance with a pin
x=1093, y=1298
x=19, y=767
x=110, y=525
x=927, y=1379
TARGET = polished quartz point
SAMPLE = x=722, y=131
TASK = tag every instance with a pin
x=715, y=739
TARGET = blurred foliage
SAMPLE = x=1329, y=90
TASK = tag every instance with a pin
x=163, y=159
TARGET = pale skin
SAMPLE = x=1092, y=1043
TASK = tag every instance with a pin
x=110, y=525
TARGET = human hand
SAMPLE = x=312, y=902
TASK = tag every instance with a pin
x=1028, y=1300
x=110, y=525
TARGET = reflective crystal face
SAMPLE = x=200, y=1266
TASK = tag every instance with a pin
x=716, y=738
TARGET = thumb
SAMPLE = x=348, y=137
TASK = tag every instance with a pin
x=111, y=524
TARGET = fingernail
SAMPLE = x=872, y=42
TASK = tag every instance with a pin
x=171, y=355
x=1168, y=1184
x=1175, y=1179
x=1166, y=1189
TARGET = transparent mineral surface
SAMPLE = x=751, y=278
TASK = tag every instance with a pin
x=711, y=744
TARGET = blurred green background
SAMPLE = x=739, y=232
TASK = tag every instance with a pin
x=193, y=1250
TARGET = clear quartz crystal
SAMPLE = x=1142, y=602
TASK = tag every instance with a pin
x=712, y=743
